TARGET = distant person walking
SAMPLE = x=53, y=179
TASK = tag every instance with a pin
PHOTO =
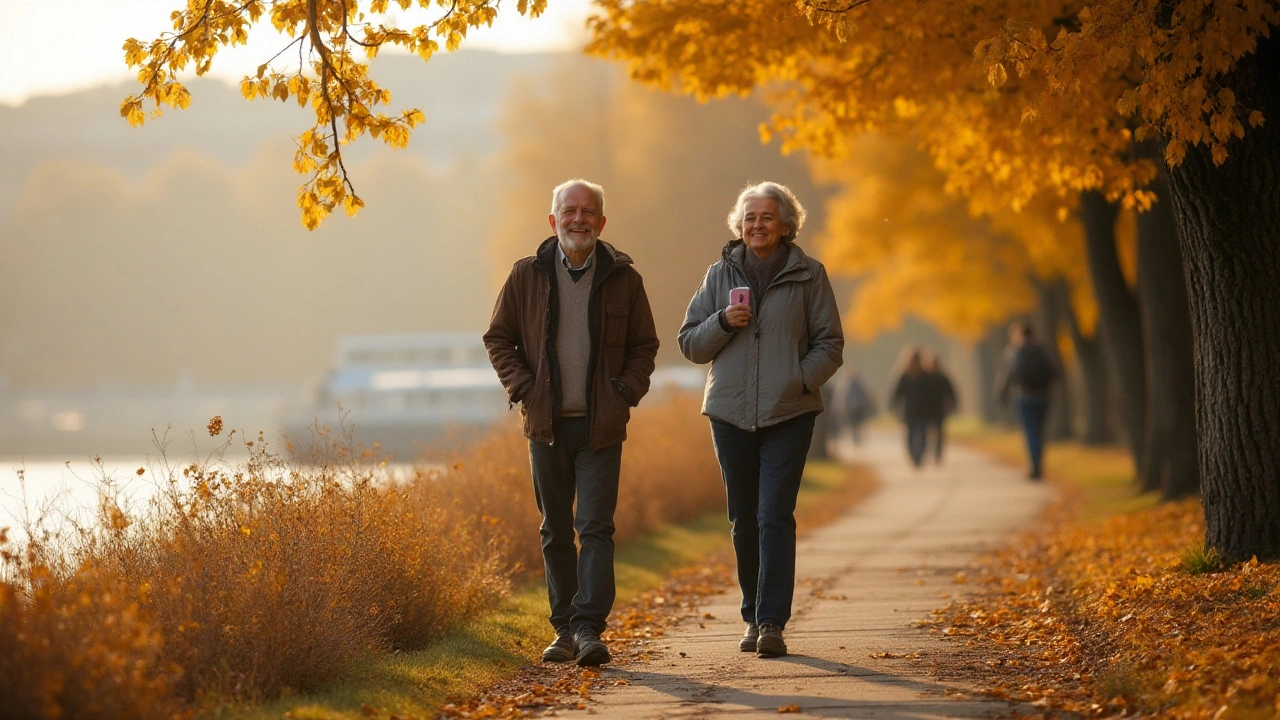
x=573, y=342
x=859, y=405
x=912, y=400
x=765, y=317
x=940, y=402
x=1031, y=371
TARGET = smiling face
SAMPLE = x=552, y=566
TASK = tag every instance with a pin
x=578, y=221
x=762, y=226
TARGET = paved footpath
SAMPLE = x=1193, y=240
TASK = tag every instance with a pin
x=863, y=584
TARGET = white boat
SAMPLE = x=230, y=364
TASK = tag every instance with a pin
x=404, y=391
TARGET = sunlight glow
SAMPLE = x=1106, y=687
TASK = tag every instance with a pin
x=36, y=58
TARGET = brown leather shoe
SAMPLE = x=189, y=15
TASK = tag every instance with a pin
x=562, y=649
x=770, y=644
x=749, y=638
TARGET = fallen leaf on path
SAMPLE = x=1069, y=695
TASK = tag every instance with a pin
x=789, y=708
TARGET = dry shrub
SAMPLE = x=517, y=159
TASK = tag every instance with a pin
x=669, y=475
x=74, y=642
x=267, y=575
x=250, y=578
x=669, y=468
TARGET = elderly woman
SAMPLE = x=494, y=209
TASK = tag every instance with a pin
x=769, y=357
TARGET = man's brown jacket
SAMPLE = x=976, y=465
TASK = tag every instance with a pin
x=522, y=339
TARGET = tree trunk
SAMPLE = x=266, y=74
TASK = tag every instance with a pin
x=1229, y=226
x=1171, y=463
x=1093, y=375
x=1050, y=311
x=990, y=349
x=1118, y=318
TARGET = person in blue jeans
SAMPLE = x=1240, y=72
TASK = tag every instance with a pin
x=770, y=357
x=1029, y=369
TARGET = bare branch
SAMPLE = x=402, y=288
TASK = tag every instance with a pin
x=822, y=6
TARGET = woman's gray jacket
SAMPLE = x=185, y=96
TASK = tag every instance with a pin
x=770, y=370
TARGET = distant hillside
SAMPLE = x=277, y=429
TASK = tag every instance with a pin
x=141, y=255
x=461, y=95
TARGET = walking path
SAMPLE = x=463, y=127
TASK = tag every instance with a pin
x=863, y=584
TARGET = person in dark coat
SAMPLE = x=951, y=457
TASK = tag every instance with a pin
x=1029, y=369
x=573, y=342
x=911, y=399
x=940, y=402
x=859, y=406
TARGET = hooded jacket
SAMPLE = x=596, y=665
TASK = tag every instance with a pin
x=522, y=339
x=771, y=370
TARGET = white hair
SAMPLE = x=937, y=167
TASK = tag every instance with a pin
x=790, y=212
x=558, y=193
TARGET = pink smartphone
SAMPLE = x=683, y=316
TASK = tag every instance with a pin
x=740, y=296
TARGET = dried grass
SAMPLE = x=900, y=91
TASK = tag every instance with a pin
x=251, y=579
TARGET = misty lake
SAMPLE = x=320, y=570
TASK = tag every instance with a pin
x=69, y=489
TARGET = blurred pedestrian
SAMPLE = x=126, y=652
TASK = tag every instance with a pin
x=911, y=400
x=1029, y=369
x=573, y=341
x=859, y=405
x=765, y=317
x=940, y=402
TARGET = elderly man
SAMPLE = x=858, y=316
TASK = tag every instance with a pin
x=573, y=341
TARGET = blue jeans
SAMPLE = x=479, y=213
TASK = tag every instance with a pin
x=1032, y=410
x=762, y=471
x=580, y=586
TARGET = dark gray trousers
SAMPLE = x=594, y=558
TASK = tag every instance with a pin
x=580, y=585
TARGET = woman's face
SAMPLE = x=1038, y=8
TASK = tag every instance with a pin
x=762, y=228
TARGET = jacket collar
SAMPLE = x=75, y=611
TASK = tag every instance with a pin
x=735, y=254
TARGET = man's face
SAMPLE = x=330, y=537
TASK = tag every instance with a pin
x=579, y=221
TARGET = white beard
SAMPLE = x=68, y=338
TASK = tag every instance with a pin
x=576, y=244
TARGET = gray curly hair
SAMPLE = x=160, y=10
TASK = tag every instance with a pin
x=790, y=211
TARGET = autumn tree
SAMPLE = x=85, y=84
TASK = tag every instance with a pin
x=906, y=68
x=1061, y=96
x=919, y=251
x=332, y=41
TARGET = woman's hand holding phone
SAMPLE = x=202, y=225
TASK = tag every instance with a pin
x=738, y=314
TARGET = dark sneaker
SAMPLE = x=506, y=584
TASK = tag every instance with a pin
x=591, y=649
x=770, y=643
x=562, y=650
x=749, y=638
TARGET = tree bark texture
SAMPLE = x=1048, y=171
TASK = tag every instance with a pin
x=1229, y=225
x=990, y=352
x=1172, y=467
x=1118, y=319
x=1094, y=376
x=1051, y=311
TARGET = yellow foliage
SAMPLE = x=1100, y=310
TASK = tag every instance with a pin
x=1058, y=124
x=918, y=250
x=327, y=34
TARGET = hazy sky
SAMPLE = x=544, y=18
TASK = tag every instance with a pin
x=56, y=46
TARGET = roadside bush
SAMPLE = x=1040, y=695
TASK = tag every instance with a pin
x=253, y=578
x=75, y=643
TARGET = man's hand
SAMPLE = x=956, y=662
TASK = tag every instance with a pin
x=738, y=315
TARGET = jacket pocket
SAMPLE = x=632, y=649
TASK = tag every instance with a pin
x=615, y=324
